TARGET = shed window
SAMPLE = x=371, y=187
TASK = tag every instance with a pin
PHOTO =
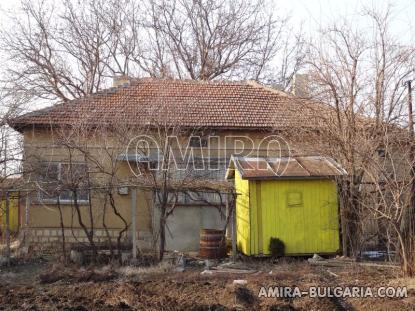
x=294, y=199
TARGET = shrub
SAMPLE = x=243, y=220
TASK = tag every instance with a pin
x=276, y=247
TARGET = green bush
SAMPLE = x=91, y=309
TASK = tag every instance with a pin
x=276, y=247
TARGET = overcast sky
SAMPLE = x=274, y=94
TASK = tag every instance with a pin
x=317, y=13
x=314, y=12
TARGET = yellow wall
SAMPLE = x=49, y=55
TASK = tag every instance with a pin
x=307, y=228
x=43, y=145
x=47, y=215
x=13, y=214
x=243, y=228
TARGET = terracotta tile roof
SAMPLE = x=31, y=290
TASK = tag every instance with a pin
x=214, y=104
x=284, y=167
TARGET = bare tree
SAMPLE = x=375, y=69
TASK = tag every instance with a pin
x=66, y=51
x=11, y=105
x=208, y=39
x=361, y=76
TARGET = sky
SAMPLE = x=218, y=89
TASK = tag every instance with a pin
x=317, y=13
x=313, y=14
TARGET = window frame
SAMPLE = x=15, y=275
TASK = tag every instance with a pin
x=54, y=200
x=187, y=198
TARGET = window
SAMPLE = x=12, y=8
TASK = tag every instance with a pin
x=198, y=142
x=200, y=168
x=194, y=198
x=294, y=199
x=60, y=179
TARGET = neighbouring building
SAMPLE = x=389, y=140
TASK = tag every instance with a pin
x=11, y=205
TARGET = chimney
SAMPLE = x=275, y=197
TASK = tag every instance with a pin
x=121, y=80
x=301, y=85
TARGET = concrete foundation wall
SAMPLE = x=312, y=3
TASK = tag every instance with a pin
x=184, y=225
x=52, y=236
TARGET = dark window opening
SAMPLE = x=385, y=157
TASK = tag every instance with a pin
x=198, y=142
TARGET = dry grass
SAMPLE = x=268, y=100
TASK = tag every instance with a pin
x=409, y=283
x=132, y=272
x=162, y=287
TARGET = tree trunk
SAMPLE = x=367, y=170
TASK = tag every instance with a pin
x=62, y=231
x=104, y=225
x=7, y=231
x=114, y=209
x=162, y=245
x=87, y=232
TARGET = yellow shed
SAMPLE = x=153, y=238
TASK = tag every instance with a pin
x=293, y=199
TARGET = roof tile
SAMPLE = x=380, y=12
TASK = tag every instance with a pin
x=217, y=104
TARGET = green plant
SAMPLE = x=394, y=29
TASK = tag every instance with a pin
x=276, y=247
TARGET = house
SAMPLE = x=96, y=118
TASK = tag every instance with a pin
x=82, y=156
x=293, y=199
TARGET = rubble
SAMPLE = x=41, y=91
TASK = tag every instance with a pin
x=240, y=282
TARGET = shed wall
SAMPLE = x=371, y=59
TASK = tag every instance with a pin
x=302, y=213
x=243, y=230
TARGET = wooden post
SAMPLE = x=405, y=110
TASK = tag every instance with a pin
x=27, y=210
x=228, y=232
x=411, y=230
x=410, y=110
x=7, y=231
x=343, y=225
x=233, y=232
x=134, y=220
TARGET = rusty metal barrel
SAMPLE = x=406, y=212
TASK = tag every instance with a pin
x=212, y=244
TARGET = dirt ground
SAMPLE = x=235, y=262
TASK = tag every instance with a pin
x=43, y=286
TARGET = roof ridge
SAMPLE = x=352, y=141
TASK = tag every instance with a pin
x=193, y=81
x=136, y=81
x=267, y=88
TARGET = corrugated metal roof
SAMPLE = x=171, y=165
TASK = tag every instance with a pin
x=284, y=167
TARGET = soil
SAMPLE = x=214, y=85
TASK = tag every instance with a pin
x=41, y=286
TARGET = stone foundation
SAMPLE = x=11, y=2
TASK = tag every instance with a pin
x=49, y=237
